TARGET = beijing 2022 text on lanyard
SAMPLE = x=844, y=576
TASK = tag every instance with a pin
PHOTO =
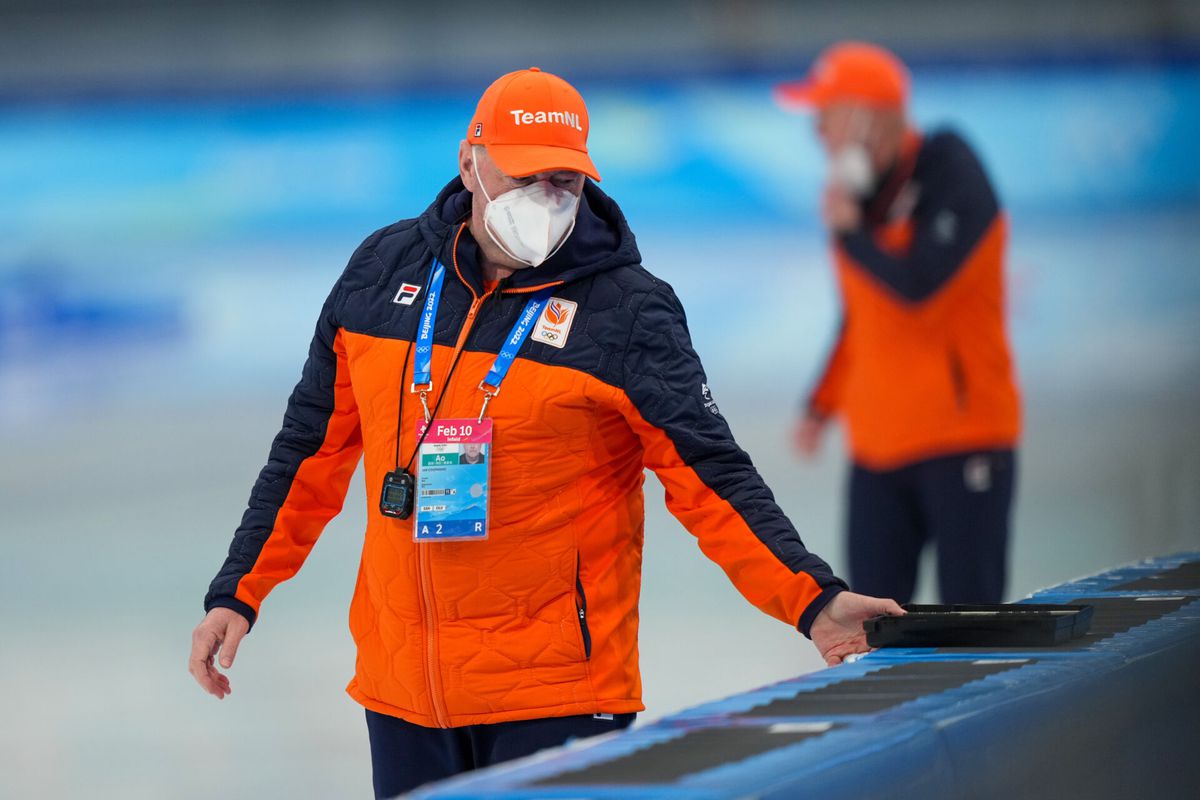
x=454, y=456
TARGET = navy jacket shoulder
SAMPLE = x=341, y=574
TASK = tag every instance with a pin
x=953, y=205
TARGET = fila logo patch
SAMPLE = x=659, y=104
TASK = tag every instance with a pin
x=407, y=294
x=554, y=325
x=478, y=129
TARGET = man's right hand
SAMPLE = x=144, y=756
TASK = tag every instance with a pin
x=806, y=437
x=219, y=632
x=838, y=629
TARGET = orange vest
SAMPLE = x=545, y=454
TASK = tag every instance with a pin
x=915, y=380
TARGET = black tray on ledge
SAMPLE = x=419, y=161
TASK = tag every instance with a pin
x=1006, y=625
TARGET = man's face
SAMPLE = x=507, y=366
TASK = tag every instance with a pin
x=472, y=450
x=479, y=174
x=497, y=183
x=879, y=130
x=843, y=123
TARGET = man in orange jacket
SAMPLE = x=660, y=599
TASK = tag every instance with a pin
x=921, y=372
x=496, y=607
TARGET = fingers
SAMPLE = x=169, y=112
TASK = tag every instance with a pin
x=839, y=209
x=838, y=653
x=831, y=202
x=204, y=640
x=233, y=637
x=865, y=606
x=885, y=605
x=813, y=445
x=798, y=435
x=219, y=682
x=806, y=435
x=802, y=439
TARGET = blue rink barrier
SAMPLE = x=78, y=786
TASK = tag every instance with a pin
x=1115, y=714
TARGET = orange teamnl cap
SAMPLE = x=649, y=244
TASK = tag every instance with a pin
x=532, y=121
x=849, y=71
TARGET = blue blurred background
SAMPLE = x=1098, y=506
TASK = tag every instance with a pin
x=181, y=183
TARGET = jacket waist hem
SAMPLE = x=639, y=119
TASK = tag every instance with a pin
x=600, y=706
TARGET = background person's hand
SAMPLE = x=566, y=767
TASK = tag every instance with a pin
x=840, y=210
x=806, y=436
x=838, y=629
x=219, y=632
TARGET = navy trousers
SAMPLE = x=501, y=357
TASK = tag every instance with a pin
x=405, y=756
x=960, y=503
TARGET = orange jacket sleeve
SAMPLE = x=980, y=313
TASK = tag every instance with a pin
x=827, y=394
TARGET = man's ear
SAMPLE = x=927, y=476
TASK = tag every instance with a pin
x=466, y=166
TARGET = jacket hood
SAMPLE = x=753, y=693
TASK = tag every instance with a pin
x=600, y=241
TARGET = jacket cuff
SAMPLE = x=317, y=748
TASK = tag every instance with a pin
x=816, y=606
x=814, y=408
x=232, y=603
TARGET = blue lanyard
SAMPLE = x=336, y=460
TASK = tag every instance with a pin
x=490, y=385
x=423, y=365
x=516, y=337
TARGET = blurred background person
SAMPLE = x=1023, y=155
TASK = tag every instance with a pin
x=921, y=371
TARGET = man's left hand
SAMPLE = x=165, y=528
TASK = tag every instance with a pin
x=840, y=209
x=838, y=629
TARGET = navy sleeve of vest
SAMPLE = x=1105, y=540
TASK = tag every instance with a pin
x=666, y=382
x=954, y=210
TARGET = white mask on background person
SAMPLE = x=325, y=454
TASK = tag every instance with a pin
x=851, y=169
x=850, y=166
x=529, y=223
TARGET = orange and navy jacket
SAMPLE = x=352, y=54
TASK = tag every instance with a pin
x=540, y=619
x=921, y=367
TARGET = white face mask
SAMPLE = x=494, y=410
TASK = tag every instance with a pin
x=851, y=167
x=530, y=223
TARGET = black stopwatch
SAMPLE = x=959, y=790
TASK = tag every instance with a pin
x=396, y=500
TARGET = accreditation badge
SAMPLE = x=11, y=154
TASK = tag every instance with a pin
x=453, y=477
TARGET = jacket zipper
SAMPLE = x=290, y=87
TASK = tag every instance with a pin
x=581, y=607
x=467, y=325
x=432, y=678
